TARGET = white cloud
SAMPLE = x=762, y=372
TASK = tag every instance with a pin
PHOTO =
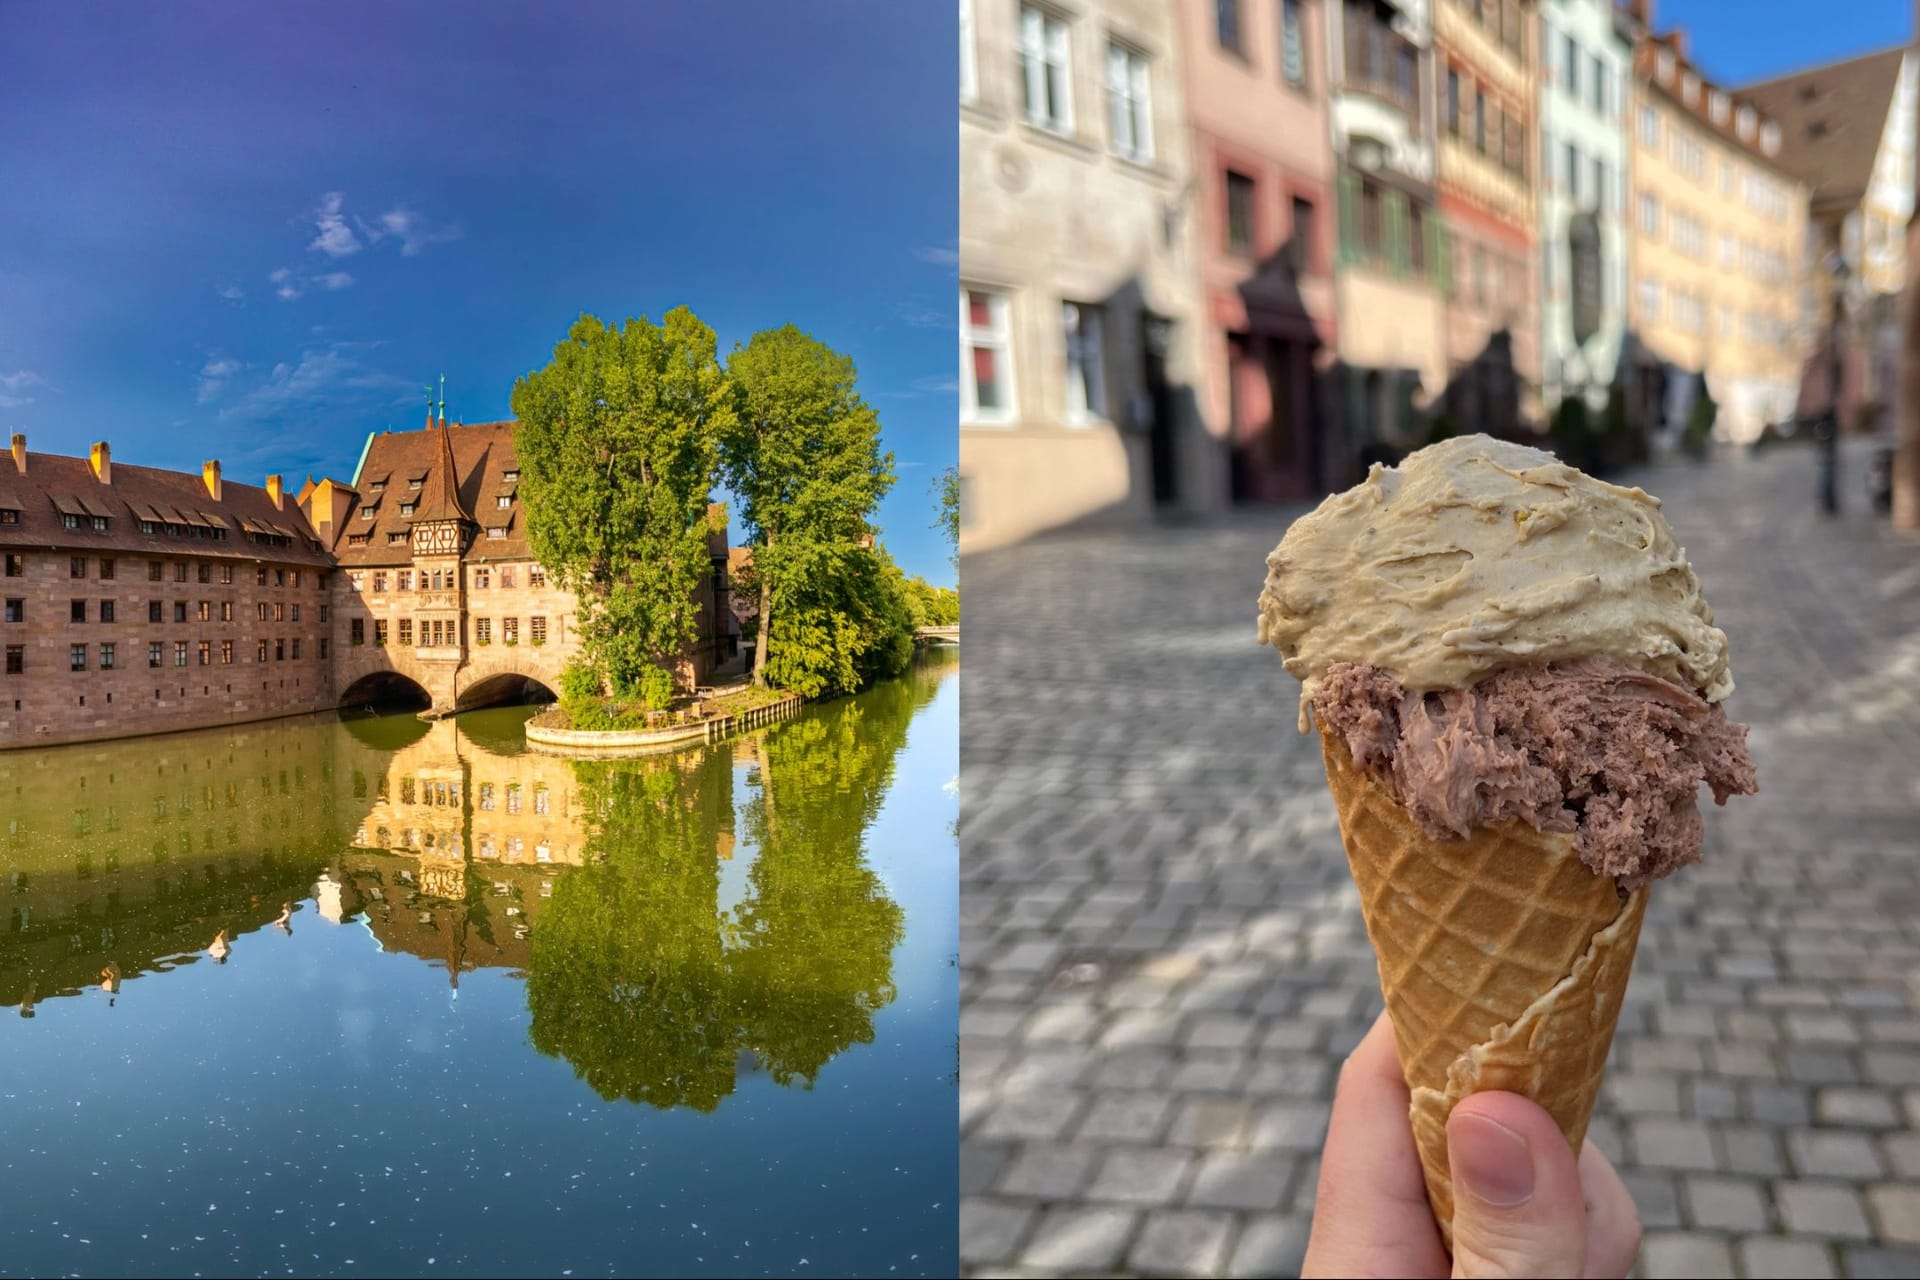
x=939, y=255
x=334, y=280
x=939, y=384
x=336, y=237
x=917, y=316
x=325, y=376
x=231, y=293
x=213, y=377
x=410, y=229
x=13, y=384
x=289, y=285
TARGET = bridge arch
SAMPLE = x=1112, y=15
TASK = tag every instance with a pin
x=387, y=690
x=504, y=688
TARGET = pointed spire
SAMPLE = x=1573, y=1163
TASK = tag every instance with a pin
x=429, y=406
x=443, y=399
x=440, y=499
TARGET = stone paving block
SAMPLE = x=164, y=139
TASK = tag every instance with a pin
x=1891, y=1066
x=1752, y=1151
x=1032, y=1113
x=1708, y=1099
x=1213, y=1122
x=1822, y=1209
x=1726, y=1204
x=1132, y=1069
x=1640, y=1093
x=1872, y=1263
x=1139, y=1116
x=1185, y=1242
x=990, y=1230
x=1774, y=1258
x=1656, y=1195
x=1685, y=1254
x=1290, y=1074
x=1140, y=1176
x=1823, y=1153
x=1291, y=1126
x=1860, y=1108
x=1777, y=1104
x=1079, y=1239
x=1902, y=1152
x=1271, y=1245
x=1237, y=1180
x=1819, y=1064
x=1048, y=1171
x=1896, y=1212
x=1210, y=1072
x=980, y=1165
x=1808, y=1025
x=1668, y=1143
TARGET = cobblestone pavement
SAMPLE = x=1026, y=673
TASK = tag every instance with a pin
x=1164, y=962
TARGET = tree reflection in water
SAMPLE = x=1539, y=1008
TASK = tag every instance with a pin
x=651, y=992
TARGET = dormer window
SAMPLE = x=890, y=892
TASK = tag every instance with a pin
x=1743, y=121
x=504, y=501
x=99, y=524
x=496, y=531
x=1718, y=105
x=406, y=508
x=1664, y=65
x=70, y=520
x=1770, y=137
x=9, y=516
x=367, y=513
x=396, y=539
x=511, y=477
x=378, y=486
x=1689, y=88
x=414, y=482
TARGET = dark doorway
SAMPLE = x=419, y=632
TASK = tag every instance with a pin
x=1156, y=338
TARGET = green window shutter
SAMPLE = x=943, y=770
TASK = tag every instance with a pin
x=1348, y=196
x=1439, y=243
x=1393, y=209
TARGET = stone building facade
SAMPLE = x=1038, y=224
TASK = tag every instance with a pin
x=135, y=600
x=438, y=588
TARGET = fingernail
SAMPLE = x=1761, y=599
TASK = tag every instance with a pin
x=1490, y=1161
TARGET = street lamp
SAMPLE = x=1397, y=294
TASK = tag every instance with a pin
x=1838, y=272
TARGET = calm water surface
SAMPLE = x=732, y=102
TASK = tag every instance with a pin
x=687, y=1015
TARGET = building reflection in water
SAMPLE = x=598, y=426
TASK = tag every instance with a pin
x=679, y=921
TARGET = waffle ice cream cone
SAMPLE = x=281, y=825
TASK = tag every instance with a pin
x=1503, y=960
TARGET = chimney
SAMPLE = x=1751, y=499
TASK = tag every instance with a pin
x=20, y=452
x=210, y=474
x=274, y=492
x=101, y=459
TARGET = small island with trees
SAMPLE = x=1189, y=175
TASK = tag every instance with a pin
x=622, y=439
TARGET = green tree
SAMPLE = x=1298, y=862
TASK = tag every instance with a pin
x=802, y=452
x=932, y=606
x=617, y=440
x=946, y=495
x=843, y=620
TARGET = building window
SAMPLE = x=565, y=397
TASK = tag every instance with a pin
x=70, y=521
x=379, y=580
x=77, y=657
x=106, y=571
x=483, y=630
x=226, y=653
x=1240, y=196
x=179, y=653
x=1649, y=299
x=260, y=655
x=179, y=610
x=323, y=647
x=1572, y=171
x=367, y=513
x=106, y=611
x=397, y=539
x=280, y=650
x=77, y=611
x=296, y=648
x=156, y=611
x=9, y=515
x=513, y=797
x=16, y=659
x=1301, y=235
x=205, y=651
x=536, y=577
x=155, y=571
x=380, y=632
x=154, y=654
x=106, y=656
x=1129, y=112
x=986, y=381
x=357, y=631
x=77, y=567
x=1373, y=239
x=1570, y=67
x=406, y=632
x=1044, y=83
x=260, y=611
x=1649, y=214
x=482, y=579
x=259, y=576
x=279, y=611
x=506, y=577
x=537, y=628
x=1480, y=122
x=496, y=531
x=1649, y=126
x=16, y=565
x=403, y=580
x=1226, y=24
x=510, y=630
x=1293, y=43
x=16, y=609
x=1452, y=105
x=1599, y=79
x=407, y=508
x=203, y=611
x=1086, y=371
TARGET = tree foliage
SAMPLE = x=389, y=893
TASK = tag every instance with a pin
x=946, y=496
x=842, y=620
x=931, y=606
x=618, y=444
x=802, y=453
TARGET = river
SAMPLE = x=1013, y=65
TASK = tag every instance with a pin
x=377, y=997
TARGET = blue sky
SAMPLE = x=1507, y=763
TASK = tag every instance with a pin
x=256, y=232
x=1741, y=41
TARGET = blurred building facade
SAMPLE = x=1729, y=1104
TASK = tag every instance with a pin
x=1718, y=244
x=1078, y=291
x=1847, y=133
x=1585, y=60
x=1485, y=62
x=1256, y=95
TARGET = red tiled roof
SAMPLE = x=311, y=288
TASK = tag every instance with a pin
x=55, y=485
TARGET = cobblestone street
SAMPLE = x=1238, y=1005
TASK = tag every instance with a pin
x=1164, y=962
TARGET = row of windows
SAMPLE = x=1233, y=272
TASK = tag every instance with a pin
x=1760, y=193
x=481, y=578
x=1687, y=311
x=1043, y=65
x=437, y=632
x=1689, y=237
x=1468, y=113
x=1585, y=76
x=1587, y=180
x=368, y=513
x=79, y=656
x=15, y=566
x=986, y=390
x=15, y=610
x=210, y=532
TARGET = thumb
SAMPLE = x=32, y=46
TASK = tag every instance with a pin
x=1518, y=1205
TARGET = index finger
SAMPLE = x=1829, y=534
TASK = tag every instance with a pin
x=1370, y=1215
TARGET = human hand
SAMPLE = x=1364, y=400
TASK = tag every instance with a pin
x=1523, y=1205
